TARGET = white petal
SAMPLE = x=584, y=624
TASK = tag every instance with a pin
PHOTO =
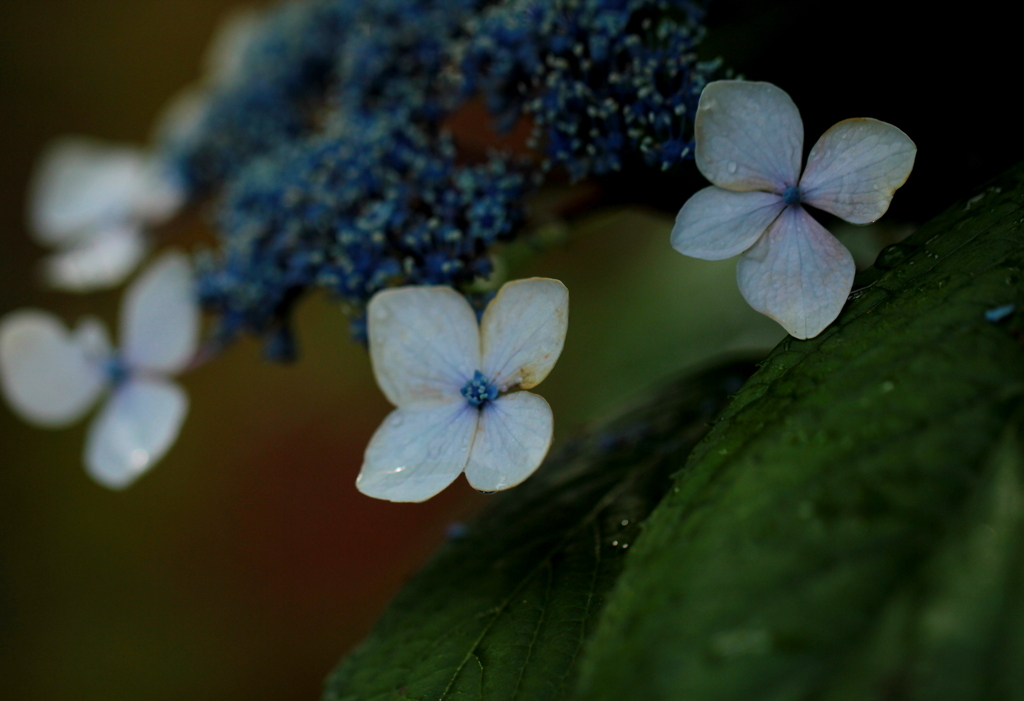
x=797, y=273
x=134, y=431
x=522, y=332
x=81, y=185
x=181, y=120
x=855, y=168
x=51, y=377
x=226, y=55
x=161, y=192
x=419, y=450
x=91, y=336
x=160, y=317
x=424, y=343
x=100, y=261
x=512, y=439
x=749, y=136
x=716, y=224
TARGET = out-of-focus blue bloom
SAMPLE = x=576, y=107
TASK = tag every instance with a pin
x=287, y=69
x=333, y=166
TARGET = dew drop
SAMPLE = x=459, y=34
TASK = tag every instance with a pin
x=732, y=167
x=395, y=421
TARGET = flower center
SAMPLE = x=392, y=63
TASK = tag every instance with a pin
x=792, y=195
x=479, y=390
x=116, y=371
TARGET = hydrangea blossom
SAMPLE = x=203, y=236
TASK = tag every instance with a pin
x=459, y=387
x=93, y=202
x=749, y=145
x=52, y=377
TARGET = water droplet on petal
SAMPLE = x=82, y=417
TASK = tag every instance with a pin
x=395, y=421
x=732, y=166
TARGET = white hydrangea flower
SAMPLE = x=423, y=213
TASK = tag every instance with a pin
x=749, y=143
x=458, y=387
x=52, y=377
x=93, y=202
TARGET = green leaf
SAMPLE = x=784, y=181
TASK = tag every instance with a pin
x=852, y=526
x=502, y=611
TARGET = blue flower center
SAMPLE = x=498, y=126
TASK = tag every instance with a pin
x=479, y=390
x=116, y=371
x=792, y=195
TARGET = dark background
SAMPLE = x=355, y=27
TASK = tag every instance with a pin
x=246, y=563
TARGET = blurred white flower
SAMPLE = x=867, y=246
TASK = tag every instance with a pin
x=749, y=143
x=93, y=201
x=457, y=385
x=52, y=377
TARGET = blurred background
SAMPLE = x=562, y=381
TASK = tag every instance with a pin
x=246, y=563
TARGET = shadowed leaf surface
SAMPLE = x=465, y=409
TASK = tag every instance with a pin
x=503, y=609
x=853, y=526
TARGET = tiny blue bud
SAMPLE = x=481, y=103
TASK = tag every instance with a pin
x=999, y=313
x=791, y=196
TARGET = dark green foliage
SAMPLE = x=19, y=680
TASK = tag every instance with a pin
x=851, y=528
x=502, y=612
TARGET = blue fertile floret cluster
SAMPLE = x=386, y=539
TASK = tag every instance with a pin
x=602, y=80
x=334, y=167
x=376, y=204
x=286, y=72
